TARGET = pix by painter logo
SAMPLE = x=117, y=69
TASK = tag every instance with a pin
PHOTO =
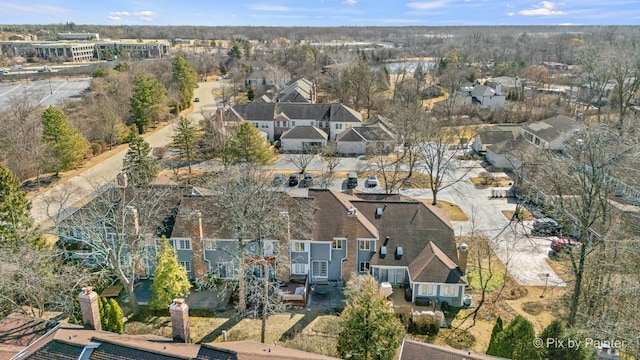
x=554, y=343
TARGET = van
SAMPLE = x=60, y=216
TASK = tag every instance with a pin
x=352, y=180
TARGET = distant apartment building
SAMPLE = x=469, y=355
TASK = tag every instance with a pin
x=70, y=51
x=78, y=36
x=132, y=49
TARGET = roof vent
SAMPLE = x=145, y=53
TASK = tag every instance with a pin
x=378, y=213
x=383, y=251
x=399, y=251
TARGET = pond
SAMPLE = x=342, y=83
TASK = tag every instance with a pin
x=396, y=67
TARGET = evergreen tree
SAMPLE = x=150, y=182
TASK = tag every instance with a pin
x=16, y=225
x=557, y=344
x=493, y=345
x=137, y=164
x=248, y=144
x=116, y=317
x=103, y=306
x=516, y=341
x=67, y=146
x=251, y=94
x=170, y=279
x=185, y=140
x=148, y=100
x=186, y=78
x=369, y=328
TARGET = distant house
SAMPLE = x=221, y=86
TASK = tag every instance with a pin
x=268, y=76
x=299, y=91
x=303, y=138
x=376, y=134
x=485, y=96
x=555, y=67
x=418, y=350
x=551, y=133
x=276, y=118
x=490, y=136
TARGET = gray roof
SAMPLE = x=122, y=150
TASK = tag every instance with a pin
x=371, y=133
x=298, y=91
x=418, y=350
x=319, y=112
x=350, y=135
x=551, y=128
x=305, y=132
x=482, y=90
x=495, y=136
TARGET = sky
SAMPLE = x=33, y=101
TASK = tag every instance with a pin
x=321, y=12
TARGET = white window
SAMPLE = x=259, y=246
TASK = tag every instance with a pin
x=299, y=269
x=186, y=264
x=428, y=289
x=268, y=248
x=265, y=126
x=225, y=270
x=338, y=126
x=336, y=244
x=448, y=290
x=299, y=246
x=293, y=123
x=364, y=266
x=319, y=268
x=183, y=244
x=365, y=245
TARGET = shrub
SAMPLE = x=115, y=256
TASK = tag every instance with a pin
x=159, y=152
x=424, y=325
x=96, y=149
x=486, y=178
x=103, y=145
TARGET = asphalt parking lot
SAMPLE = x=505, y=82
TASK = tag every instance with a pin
x=43, y=92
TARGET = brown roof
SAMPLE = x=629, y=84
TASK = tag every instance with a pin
x=332, y=210
x=17, y=331
x=432, y=265
x=253, y=350
x=415, y=350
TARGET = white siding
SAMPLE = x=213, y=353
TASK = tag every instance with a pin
x=352, y=147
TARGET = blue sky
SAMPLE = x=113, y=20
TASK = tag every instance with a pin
x=322, y=12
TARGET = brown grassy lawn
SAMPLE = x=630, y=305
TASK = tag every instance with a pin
x=249, y=329
x=453, y=211
x=525, y=215
x=200, y=327
x=320, y=336
x=501, y=181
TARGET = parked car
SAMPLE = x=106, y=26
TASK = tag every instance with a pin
x=352, y=180
x=545, y=226
x=278, y=180
x=294, y=179
x=558, y=245
x=307, y=180
x=372, y=181
x=196, y=100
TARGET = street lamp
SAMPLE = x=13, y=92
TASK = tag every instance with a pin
x=546, y=281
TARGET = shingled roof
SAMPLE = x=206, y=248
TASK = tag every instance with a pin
x=253, y=350
x=418, y=350
x=17, y=331
x=331, y=216
x=305, y=132
x=551, y=128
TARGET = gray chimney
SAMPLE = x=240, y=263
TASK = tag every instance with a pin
x=463, y=252
x=179, y=311
x=89, y=307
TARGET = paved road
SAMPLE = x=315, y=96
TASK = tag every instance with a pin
x=43, y=92
x=59, y=200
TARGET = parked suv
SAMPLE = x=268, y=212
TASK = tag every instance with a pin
x=545, y=226
x=294, y=179
x=352, y=181
x=307, y=180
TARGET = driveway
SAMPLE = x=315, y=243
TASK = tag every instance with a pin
x=58, y=201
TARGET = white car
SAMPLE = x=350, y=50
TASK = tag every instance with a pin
x=372, y=181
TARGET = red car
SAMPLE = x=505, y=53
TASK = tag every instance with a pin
x=557, y=245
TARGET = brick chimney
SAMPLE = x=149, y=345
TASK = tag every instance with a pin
x=179, y=311
x=350, y=265
x=200, y=268
x=89, y=307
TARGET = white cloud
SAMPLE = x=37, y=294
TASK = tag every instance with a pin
x=114, y=18
x=145, y=15
x=119, y=13
x=269, y=8
x=511, y=13
x=350, y=2
x=428, y=5
x=543, y=8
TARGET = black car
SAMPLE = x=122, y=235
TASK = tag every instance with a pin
x=294, y=179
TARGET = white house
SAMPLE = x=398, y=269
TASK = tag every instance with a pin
x=303, y=138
